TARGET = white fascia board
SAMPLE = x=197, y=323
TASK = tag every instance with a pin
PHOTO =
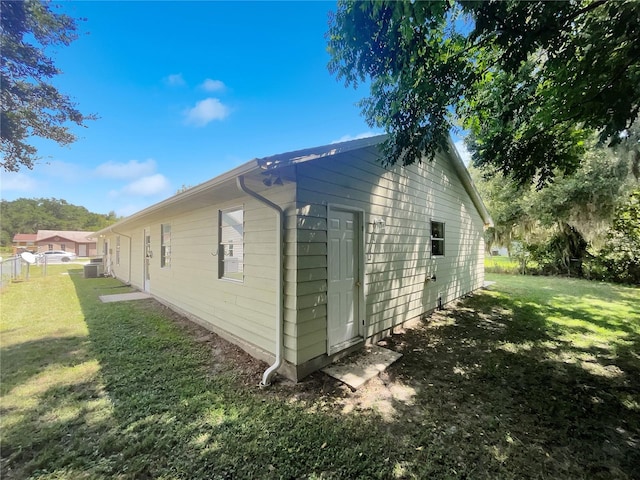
x=469, y=186
x=243, y=169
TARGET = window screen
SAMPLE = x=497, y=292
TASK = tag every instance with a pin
x=231, y=248
x=437, y=238
x=165, y=246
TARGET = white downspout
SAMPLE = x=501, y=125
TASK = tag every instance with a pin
x=270, y=372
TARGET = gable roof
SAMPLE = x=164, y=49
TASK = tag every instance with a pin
x=72, y=236
x=25, y=237
x=311, y=154
x=223, y=187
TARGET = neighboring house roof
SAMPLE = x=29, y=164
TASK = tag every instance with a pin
x=72, y=236
x=224, y=187
x=25, y=237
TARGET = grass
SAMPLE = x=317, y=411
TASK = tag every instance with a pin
x=500, y=264
x=535, y=378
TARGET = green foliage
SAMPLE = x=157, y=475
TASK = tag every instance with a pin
x=499, y=264
x=561, y=254
x=562, y=227
x=31, y=106
x=28, y=215
x=415, y=65
x=619, y=259
x=529, y=79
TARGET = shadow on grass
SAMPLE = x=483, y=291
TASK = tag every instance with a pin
x=497, y=384
x=28, y=359
x=495, y=394
x=164, y=401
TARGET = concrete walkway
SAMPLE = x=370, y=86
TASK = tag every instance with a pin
x=355, y=370
x=124, y=297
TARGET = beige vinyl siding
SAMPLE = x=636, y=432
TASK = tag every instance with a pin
x=246, y=310
x=398, y=260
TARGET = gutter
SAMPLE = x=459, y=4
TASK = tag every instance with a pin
x=270, y=372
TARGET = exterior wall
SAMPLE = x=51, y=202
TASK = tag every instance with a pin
x=69, y=246
x=398, y=263
x=23, y=245
x=246, y=311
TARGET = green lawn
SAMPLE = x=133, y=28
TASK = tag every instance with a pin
x=534, y=378
x=499, y=264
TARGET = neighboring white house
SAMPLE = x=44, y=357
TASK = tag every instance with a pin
x=304, y=256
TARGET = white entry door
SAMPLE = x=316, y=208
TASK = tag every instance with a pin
x=343, y=291
x=147, y=260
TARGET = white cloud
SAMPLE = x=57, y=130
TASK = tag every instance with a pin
x=210, y=85
x=175, y=80
x=206, y=111
x=131, y=169
x=18, y=182
x=465, y=155
x=147, y=186
x=346, y=138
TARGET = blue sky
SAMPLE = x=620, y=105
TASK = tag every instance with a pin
x=186, y=91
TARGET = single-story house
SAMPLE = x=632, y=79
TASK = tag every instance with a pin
x=302, y=257
x=83, y=244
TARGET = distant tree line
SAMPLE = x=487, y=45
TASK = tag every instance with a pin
x=28, y=215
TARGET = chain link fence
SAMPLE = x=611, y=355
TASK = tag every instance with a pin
x=11, y=269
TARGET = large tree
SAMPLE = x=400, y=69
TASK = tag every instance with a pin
x=31, y=105
x=528, y=79
x=571, y=218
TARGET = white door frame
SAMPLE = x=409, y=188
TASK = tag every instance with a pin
x=359, y=298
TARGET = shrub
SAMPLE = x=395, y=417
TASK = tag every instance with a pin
x=619, y=259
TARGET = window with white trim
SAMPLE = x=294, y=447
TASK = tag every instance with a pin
x=118, y=250
x=437, y=239
x=165, y=245
x=231, y=244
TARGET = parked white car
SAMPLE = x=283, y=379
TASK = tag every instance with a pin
x=54, y=256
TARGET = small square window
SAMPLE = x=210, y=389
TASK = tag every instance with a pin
x=437, y=239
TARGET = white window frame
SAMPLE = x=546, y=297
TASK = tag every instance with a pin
x=228, y=249
x=441, y=239
x=165, y=245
